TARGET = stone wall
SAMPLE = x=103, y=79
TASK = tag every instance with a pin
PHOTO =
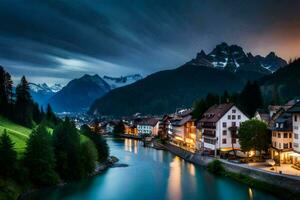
x=288, y=182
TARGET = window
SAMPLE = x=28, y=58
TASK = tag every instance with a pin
x=291, y=145
x=239, y=116
x=281, y=125
x=295, y=118
x=233, y=110
x=296, y=127
x=274, y=134
x=275, y=144
x=233, y=124
x=234, y=141
x=296, y=145
x=224, y=125
x=229, y=117
x=279, y=135
x=290, y=135
x=286, y=145
x=233, y=117
x=296, y=136
x=285, y=135
x=277, y=125
x=279, y=145
x=224, y=141
x=224, y=132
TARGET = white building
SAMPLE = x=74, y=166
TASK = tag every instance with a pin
x=219, y=127
x=149, y=126
x=295, y=110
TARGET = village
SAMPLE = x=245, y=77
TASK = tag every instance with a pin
x=216, y=135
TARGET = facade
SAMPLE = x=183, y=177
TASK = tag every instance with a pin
x=148, y=126
x=282, y=139
x=295, y=111
x=131, y=129
x=219, y=127
x=285, y=138
x=165, y=127
x=183, y=132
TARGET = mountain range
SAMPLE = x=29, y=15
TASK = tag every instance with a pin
x=224, y=68
x=234, y=59
x=41, y=93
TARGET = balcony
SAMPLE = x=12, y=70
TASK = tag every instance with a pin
x=210, y=133
x=208, y=125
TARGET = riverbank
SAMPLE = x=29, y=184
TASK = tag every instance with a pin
x=111, y=161
x=280, y=184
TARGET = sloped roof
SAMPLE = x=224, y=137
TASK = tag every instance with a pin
x=295, y=108
x=216, y=112
x=148, y=121
x=285, y=119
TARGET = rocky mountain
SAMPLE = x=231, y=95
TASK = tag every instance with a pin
x=79, y=93
x=283, y=85
x=164, y=91
x=234, y=59
x=116, y=82
x=224, y=68
x=41, y=93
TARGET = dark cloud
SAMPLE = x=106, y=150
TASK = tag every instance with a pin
x=64, y=39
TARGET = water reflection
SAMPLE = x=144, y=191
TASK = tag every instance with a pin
x=250, y=194
x=174, y=181
x=131, y=145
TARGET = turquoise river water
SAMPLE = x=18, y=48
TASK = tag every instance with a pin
x=152, y=175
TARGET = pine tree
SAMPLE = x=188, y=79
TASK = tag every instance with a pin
x=99, y=141
x=89, y=156
x=39, y=157
x=50, y=116
x=66, y=143
x=9, y=95
x=8, y=156
x=23, y=112
x=3, y=95
x=250, y=98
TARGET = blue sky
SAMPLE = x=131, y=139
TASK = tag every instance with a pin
x=55, y=41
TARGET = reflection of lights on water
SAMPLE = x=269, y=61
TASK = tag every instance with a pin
x=174, y=181
x=135, y=147
x=191, y=169
x=130, y=144
x=250, y=194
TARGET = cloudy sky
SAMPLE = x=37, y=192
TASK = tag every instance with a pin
x=57, y=40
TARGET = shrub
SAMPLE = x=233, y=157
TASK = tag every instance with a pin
x=216, y=167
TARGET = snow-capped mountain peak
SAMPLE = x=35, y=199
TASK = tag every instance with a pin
x=121, y=81
x=233, y=58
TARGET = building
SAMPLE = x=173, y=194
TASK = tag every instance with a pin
x=183, y=132
x=262, y=115
x=219, y=127
x=110, y=126
x=131, y=129
x=148, y=126
x=295, y=111
x=165, y=127
x=282, y=139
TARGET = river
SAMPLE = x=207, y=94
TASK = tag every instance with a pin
x=152, y=174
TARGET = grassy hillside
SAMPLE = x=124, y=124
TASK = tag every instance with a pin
x=19, y=134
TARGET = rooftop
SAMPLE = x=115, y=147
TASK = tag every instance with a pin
x=216, y=112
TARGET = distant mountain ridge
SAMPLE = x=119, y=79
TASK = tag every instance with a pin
x=116, y=82
x=79, y=93
x=41, y=93
x=234, y=59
